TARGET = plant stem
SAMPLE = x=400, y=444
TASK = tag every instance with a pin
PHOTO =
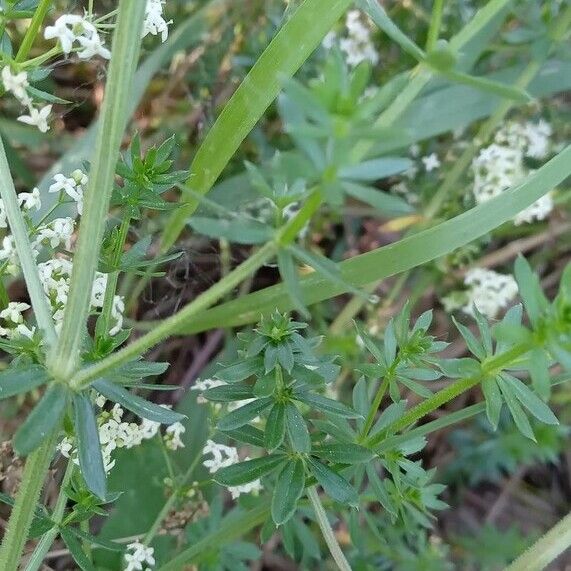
x=126, y=45
x=375, y=405
x=32, y=31
x=326, y=530
x=24, y=250
x=172, y=324
x=22, y=514
x=435, y=23
x=545, y=549
x=113, y=278
x=49, y=537
x=489, y=367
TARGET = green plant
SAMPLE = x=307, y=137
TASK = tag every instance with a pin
x=78, y=360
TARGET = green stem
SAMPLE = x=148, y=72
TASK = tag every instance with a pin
x=27, y=498
x=169, y=326
x=326, y=530
x=375, y=405
x=435, y=24
x=49, y=537
x=545, y=549
x=489, y=367
x=113, y=278
x=32, y=31
x=24, y=249
x=126, y=45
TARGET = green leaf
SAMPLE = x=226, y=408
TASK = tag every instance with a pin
x=249, y=470
x=530, y=290
x=289, y=487
x=275, y=427
x=538, y=364
x=228, y=393
x=89, y=446
x=19, y=380
x=247, y=434
x=516, y=411
x=136, y=404
x=325, y=404
x=494, y=400
x=382, y=201
x=244, y=414
x=76, y=550
x=476, y=348
x=335, y=486
x=484, y=84
x=305, y=30
x=239, y=372
x=139, y=369
x=42, y=421
x=239, y=230
x=401, y=256
x=375, y=169
x=297, y=429
x=530, y=400
x=290, y=276
x=382, y=20
x=343, y=453
x=325, y=267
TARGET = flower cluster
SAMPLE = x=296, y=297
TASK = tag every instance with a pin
x=222, y=457
x=71, y=29
x=138, y=555
x=17, y=84
x=155, y=23
x=14, y=321
x=73, y=186
x=501, y=165
x=115, y=433
x=488, y=291
x=357, y=46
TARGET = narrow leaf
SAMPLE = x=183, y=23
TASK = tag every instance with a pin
x=289, y=487
x=325, y=404
x=136, y=404
x=42, y=421
x=530, y=400
x=343, y=453
x=89, y=446
x=249, y=470
x=21, y=380
x=297, y=429
x=335, y=486
x=275, y=427
x=76, y=550
x=244, y=414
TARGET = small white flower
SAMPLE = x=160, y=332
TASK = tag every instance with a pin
x=222, y=456
x=173, y=434
x=138, y=555
x=92, y=46
x=489, y=291
x=16, y=84
x=30, y=200
x=14, y=311
x=358, y=46
x=37, y=118
x=254, y=487
x=204, y=385
x=65, y=30
x=431, y=162
x=154, y=22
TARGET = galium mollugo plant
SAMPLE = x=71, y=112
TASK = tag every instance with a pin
x=276, y=400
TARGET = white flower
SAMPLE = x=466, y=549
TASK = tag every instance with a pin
x=69, y=29
x=329, y=40
x=172, y=438
x=37, y=118
x=149, y=428
x=57, y=232
x=74, y=186
x=16, y=84
x=92, y=46
x=14, y=312
x=488, y=291
x=539, y=210
x=8, y=251
x=154, y=22
x=138, y=555
x=431, y=162
x=358, y=46
x=29, y=200
x=65, y=447
x=204, y=386
x=117, y=310
x=222, y=456
x=254, y=487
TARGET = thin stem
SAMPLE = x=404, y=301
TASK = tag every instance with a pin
x=326, y=530
x=24, y=249
x=22, y=514
x=49, y=537
x=545, y=549
x=375, y=405
x=435, y=24
x=170, y=326
x=32, y=31
x=126, y=45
